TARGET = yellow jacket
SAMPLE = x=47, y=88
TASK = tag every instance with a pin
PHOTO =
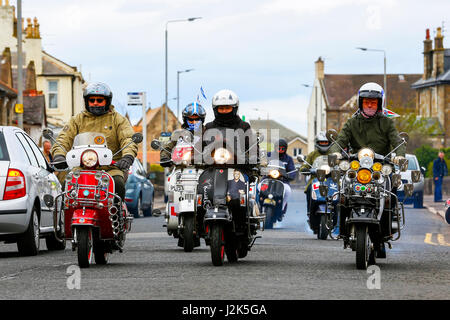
x=116, y=128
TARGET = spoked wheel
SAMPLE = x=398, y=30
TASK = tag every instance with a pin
x=217, y=244
x=268, y=224
x=85, y=247
x=188, y=233
x=323, y=230
x=101, y=253
x=365, y=254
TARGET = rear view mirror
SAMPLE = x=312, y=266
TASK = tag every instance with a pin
x=323, y=190
x=301, y=158
x=47, y=133
x=156, y=144
x=415, y=176
x=403, y=164
x=404, y=136
x=335, y=175
x=331, y=135
x=332, y=160
x=137, y=137
x=396, y=180
x=321, y=175
x=409, y=189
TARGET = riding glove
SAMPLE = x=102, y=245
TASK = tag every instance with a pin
x=125, y=162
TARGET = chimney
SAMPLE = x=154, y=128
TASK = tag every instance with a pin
x=30, y=80
x=320, y=69
x=427, y=56
x=29, y=30
x=5, y=67
x=438, y=54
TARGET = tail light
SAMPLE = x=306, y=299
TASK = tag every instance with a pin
x=15, y=185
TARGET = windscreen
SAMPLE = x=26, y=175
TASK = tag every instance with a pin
x=89, y=138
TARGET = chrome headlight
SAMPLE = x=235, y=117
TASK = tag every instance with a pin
x=89, y=158
x=386, y=170
x=366, y=162
x=222, y=156
x=344, y=165
x=366, y=152
x=274, y=174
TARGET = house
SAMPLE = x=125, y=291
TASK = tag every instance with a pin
x=433, y=88
x=60, y=83
x=334, y=97
x=154, y=129
x=273, y=130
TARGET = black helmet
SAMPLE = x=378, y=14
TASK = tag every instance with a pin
x=281, y=143
x=190, y=110
x=97, y=89
x=321, y=143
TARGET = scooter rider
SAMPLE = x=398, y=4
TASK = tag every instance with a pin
x=99, y=116
x=193, y=120
x=322, y=145
x=369, y=127
x=281, y=152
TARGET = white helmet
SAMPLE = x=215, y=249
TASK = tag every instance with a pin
x=225, y=97
x=374, y=91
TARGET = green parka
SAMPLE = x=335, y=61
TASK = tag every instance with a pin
x=377, y=133
x=116, y=128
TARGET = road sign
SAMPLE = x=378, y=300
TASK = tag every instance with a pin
x=18, y=108
x=136, y=98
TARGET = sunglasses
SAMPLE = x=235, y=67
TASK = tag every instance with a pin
x=99, y=100
x=281, y=149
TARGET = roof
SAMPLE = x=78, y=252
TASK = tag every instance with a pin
x=284, y=132
x=151, y=113
x=34, y=109
x=442, y=79
x=7, y=90
x=341, y=87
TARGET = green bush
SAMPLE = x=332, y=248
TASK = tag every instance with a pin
x=426, y=155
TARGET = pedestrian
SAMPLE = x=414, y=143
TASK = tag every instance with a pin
x=439, y=171
x=47, y=146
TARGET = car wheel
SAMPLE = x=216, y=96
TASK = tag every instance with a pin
x=28, y=244
x=138, y=211
x=148, y=212
x=418, y=200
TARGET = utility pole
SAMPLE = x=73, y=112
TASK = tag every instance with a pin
x=19, y=104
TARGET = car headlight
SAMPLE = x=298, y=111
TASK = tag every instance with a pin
x=89, y=158
x=344, y=165
x=366, y=162
x=386, y=170
x=274, y=174
x=364, y=176
x=354, y=165
x=366, y=152
x=222, y=156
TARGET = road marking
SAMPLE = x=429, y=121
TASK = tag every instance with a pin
x=427, y=240
x=441, y=240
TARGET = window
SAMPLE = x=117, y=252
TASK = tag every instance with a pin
x=53, y=94
x=3, y=150
x=297, y=151
x=37, y=152
x=28, y=150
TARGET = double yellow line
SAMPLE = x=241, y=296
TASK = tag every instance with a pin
x=440, y=239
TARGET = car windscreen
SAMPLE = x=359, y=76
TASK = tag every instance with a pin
x=411, y=163
x=4, y=155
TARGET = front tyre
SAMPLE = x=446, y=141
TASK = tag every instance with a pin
x=323, y=230
x=364, y=251
x=217, y=244
x=269, y=218
x=85, y=247
x=188, y=233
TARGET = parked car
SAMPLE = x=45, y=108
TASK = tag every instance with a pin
x=417, y=197
x=139, y=191
x=25, y=177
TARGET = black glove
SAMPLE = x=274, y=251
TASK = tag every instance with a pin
x=59, y=162
x=125, y=162
x=313, y=171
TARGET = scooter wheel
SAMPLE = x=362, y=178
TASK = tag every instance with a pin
x=85, y=247
x=217, y=244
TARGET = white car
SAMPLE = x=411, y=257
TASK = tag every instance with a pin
x=25, y=177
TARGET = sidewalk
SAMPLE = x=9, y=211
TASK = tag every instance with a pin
x=435, y=207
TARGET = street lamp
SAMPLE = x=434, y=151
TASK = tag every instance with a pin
x=178, y=91
x=384, y=53
x=164, y=111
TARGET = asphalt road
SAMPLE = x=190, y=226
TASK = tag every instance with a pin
x=288, y=262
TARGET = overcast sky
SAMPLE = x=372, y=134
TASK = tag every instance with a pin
x=264, y=50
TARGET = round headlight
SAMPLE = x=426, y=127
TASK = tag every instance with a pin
x=89, y=158
x=364, y=176
x=366, y=162
x=377, y=166
x=366, y=152
x=222, y=156
x=344, y=165
x=274, y=174
x=187, y=156
x=354, y=165
x=386, y=170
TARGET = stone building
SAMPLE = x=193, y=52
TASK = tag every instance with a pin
x=334, y=97
x=433, y=89
x=60, y=83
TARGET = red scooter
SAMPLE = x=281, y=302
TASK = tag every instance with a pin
x=96, y=219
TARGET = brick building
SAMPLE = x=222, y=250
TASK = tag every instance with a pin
x=433, y=89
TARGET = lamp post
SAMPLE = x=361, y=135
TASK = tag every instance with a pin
x=164, y=111
x=178, y=91
x=19, y=105
x=384, y=54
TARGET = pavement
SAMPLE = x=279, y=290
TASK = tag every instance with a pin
x=435, y=207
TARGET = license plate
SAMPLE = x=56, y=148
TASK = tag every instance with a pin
x=269, y=201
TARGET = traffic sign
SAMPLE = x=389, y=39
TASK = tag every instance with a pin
x=18, y=108
x=136, y=98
